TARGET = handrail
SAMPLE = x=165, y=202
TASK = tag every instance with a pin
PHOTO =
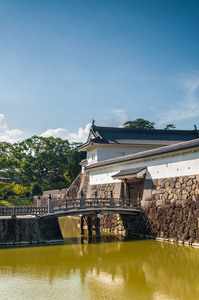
x=22, y=210
x=84, y=203
x=72, y=204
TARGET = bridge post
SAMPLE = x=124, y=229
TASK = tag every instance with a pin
x=82, y=200
x=38, y=201
x=89, y=226
x=50, y=207
x=95, y=200
x=81, y=225
x=111, y=200
x=139, y=201
x=97, y=225
x=13, y=213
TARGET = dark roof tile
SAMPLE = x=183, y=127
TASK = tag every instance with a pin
x=127, y=136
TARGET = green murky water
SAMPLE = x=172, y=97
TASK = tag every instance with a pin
x=109, y=270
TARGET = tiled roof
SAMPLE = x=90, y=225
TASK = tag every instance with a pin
x=127, y=136
x=148, y=153
x=129, y=172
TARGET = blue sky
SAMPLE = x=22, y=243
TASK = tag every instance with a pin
x=64, y=63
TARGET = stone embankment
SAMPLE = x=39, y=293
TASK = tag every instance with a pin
x=172, y=212
x=15, y=231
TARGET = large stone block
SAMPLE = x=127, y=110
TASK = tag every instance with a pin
x=192, y=233
x=178, y=185
x=177, y=211
x=196, y=214
x=197, y=233
x=189, y=183
x=196, y=191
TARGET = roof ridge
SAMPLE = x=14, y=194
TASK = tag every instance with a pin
x=143, y=129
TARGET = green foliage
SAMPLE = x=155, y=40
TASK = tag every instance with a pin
x=51, y=162
x=12, y=190
x=18, y=190
x=27, y=194
x=35, y=189
x=169, y=126
x=140, y=124
x=145, y=124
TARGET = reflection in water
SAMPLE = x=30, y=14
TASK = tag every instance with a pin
x=117, y=270
x=71, y=233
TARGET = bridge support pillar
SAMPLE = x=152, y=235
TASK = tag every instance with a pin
x=97, y=226
x=89, y=226
x=81, y=225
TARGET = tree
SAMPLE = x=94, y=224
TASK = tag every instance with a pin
x=145, y=124
x=52, y=162
x=73, y=161
x=169, y=126
x=35, y=189
x=42, y=159
x=140, y=124
x=7, y=161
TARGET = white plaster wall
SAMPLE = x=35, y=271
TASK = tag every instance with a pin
x=112, y=151
x=90, y=157
x=179, y=165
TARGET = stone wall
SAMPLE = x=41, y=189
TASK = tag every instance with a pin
x=31, y=230
x=44, y=198
x=78, y=185
x=172, y=212
x=104, y=190
x=56, y=192
x=121, y=224
x=115, y=223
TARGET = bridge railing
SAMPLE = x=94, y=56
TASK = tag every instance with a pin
x=83, y=203
x=23, y=210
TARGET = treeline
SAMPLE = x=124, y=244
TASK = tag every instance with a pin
x=51, y=163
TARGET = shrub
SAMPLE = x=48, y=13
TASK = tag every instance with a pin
x=35, y=189
x=27, y=194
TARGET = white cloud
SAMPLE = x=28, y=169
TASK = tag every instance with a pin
x=59, y=132
x=114, y=117
x=81, y=136
x=189, y=107
x=7, y=135
x=3, y=124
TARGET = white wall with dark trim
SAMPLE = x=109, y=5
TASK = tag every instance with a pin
x=168, y=166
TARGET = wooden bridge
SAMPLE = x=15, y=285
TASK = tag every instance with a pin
x=96, y=205
x=75, y=207
x=89, y=207
x=84, y=207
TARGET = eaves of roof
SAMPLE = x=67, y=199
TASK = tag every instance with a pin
x=157, y=143
x=144, y=154
x=130, y=172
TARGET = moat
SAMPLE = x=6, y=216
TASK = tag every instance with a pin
x=114, y=268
